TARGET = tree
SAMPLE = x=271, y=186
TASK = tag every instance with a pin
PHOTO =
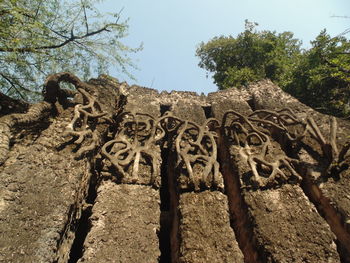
x=321, y=79
x=251, y=56
x=38, y=38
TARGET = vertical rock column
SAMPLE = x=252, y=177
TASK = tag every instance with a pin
x=273, y=219
x=126, y=215
x=41, y=193
x=324, y=151
x=204, y=231
x=44, y=182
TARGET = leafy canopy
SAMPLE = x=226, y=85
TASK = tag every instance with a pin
x=251, y=56
x=319, y=77
x=38, y=38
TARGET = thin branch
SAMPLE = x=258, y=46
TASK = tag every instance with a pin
x=344, y=70
x=12, y=85
x=85, y=17
x=119, y=13
x=72, y=38
x=37, y=10
x=14, y=81
x=346, y=31
x=52, y=22
x=6, y=12
x=335, y=16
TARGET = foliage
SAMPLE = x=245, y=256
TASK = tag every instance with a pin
x=38, y=38
x=251, y=56
x=319, y=77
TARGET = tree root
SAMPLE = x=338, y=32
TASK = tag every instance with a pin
x=134, y=143
x=83, y=124
x=35, y=113
x=138, y=135
x=86, y=114
x=195, y=145
x=251, y=138
x=333, y=160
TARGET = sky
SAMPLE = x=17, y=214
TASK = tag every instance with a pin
x=170, y=32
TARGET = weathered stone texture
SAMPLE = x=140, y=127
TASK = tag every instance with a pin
x=230, y=99
x=43, y=186
x=288, y=227
x=330, y=193
x=157, y=186
x=202, y=214
x=125, y=220
x=283, y=230
x=205, y=229
x=124, y=225
x=41, y=191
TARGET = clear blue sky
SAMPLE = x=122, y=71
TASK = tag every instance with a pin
x=171, y=30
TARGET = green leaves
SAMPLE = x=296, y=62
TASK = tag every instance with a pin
x=251, y=56
x=319, y=77
x=39, y=37
x=322, y=76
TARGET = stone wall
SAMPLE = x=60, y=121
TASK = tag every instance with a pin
x=119, y=173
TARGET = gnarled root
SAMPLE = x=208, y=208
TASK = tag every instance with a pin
x=84, y=120
x=86, y=114
x=250, y=136
x=334, y=160
x=134, y=143
x=139, y=133
x=7, y=122
x=196, y=147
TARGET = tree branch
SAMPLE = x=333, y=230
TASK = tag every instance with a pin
x=70, y=39
x=12, y=85
x=336, y=66
x=14, y=82
x=85, y=17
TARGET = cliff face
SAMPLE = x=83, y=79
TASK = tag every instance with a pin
x=123, y=173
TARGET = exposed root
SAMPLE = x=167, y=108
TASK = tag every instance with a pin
x=251, y=137
x=196, y=146
x=333, y=160
x=283, y=121
x=52, y=94
x=7, y=122
x=134, y=143
x=139, y=133
x=86, y=114
x=84, y=123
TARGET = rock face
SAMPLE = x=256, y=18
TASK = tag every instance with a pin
x=127, y=174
